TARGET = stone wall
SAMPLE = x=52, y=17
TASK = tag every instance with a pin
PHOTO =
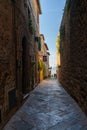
x=7, y=54
x=73, y=71
x=17, y=47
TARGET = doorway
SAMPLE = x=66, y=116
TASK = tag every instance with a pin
x=24, y=65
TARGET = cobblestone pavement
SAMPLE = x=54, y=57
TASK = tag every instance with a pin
x=48, y=107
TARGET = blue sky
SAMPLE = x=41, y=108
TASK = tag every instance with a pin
x=52, y=11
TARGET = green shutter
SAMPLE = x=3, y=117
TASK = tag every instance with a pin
x=39, y=44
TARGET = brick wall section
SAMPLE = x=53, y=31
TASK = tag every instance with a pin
x=73, y=71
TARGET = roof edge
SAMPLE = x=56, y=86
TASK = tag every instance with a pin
x=38, y=2
x=46, y=46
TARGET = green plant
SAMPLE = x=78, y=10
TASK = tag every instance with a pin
x=68, y=5
x=58, y=43
x=37, y=39
x=31, y=27
x=39, y=66
x=33, y=63
x=30, y=22
x=42, y=67
x=39, y=44
x=62, y=33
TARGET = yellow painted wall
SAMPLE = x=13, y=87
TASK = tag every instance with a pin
x=41, y=75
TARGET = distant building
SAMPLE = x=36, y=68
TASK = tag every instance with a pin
x=58, y=50
x=46, y=54
x=40, y=57
x=43, y=58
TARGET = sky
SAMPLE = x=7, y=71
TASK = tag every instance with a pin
x=50, y=20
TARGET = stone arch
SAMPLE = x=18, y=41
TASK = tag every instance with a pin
x=23, y=62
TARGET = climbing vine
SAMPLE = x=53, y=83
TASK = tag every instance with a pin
x=68, y=5
x=62, y=33
x=31, y=27
x=42, y=67
x=58, y=43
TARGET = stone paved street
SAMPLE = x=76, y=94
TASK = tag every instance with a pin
x=48, y=107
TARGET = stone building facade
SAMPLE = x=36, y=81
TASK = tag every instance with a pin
x=40, y=56
x=43, y=55
x=73, y=51
x=46, y=60
x=58, y=50
x=19, y=25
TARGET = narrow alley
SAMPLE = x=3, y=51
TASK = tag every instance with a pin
x=49, y=107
